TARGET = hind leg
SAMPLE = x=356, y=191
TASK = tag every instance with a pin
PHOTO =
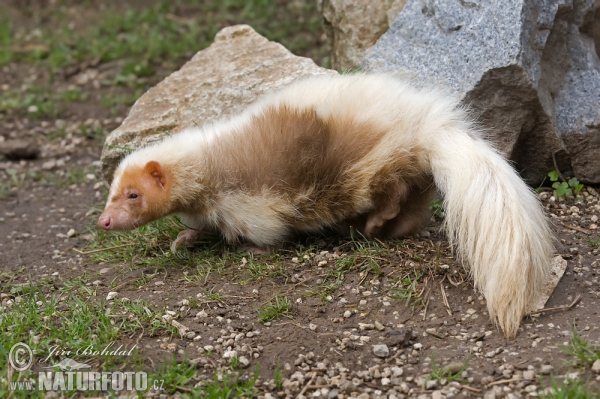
x=413, y=214
x=387, y=208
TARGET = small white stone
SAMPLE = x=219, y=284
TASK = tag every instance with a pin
x=313, y=327
x=71, y=233
x=528, y=375
x=546, y=369
x=201, y=314
x=381, y=350
x=596, y=366
x=347, y=314
x=243, y=361
x=112, y=295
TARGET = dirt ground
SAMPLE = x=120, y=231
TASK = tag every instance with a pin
x=328, y=344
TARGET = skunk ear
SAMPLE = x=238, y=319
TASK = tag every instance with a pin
x=156, y=171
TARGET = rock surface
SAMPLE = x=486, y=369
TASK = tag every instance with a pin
x=527, y=67
x=352, y=26
x=17, y=149
x=221, y=80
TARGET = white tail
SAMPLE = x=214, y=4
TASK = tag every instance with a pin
x=495, y=221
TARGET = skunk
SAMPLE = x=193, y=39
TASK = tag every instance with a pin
x=365, y=151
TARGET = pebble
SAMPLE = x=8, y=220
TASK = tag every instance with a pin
x=596, y=366
x=112, y=295
x=381, y=350
x=243, y=361
x=528, y=375
x=546, y=369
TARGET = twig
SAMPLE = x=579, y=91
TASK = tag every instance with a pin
x=102, y=249
x=398, y=353
x=445, y=299
x=319, y=386
x=468, y=388
x=504, y=381
x=562, y=178
x=426, y=307
x=576, y=228
x=307, y=384
x=118, y=287
x=452, y=282
x=564, y=307
x=434, y=333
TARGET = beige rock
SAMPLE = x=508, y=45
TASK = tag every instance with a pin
x=352, y=26
x=221, y=80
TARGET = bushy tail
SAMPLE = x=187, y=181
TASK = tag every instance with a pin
x=494, y=220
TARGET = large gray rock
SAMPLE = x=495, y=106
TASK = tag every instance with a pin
x=221, y=80
x=527, y=67
x=352, y=26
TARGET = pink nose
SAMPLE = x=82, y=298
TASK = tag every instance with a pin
x=105, y=222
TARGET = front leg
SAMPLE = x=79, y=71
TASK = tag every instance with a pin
x=190, y=236
x=187, y=238
x=256, y=250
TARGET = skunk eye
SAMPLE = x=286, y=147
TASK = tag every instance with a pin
x=133, y=196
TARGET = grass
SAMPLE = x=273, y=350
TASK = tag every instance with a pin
x=148, y=246
x=14, y=180
x=227, y=386
x=65, y=178
x=147, y=41
x=163, y=32
x=365, y=256
x=173, y=375
x=274, y=309
x=570, y=389
x=407, y=289
x=584, y=352
x=71, y=315
x=278, y=377
x=51, y=316
x=444, y=373
x=37, y=102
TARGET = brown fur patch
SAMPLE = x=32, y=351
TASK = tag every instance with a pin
x=328, y=170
